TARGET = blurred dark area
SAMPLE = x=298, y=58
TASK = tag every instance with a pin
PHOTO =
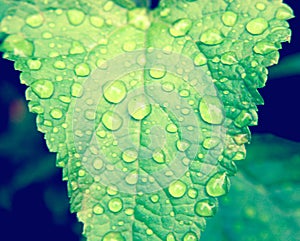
x=34, y=200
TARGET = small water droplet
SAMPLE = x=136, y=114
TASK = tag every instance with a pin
x=112, y=120
x=96, y=21
x=260, y=6
x=170, y=237
x=129, y=155
x=34, y=64
x=81, y=173
x=98, y=164
x=206, y=207
x=257, y=26
x=129, y=211
x=132, y=178
x=211, y=142
x=139, y=18
x=35, y=20
x=113, y=236
x=180, y=27
x=172, y=128
x=59, y=64
x=139, y=107
x=157, y=72
x=184, y=93
x=56, y=113
x=264, y=47
x=159, y=157
x=229, y=58
x=168, y=86
x=192, y=193
x=218, y=185
x=129, y=46
x=154, y=198
x=182, y=145
x=112, y=190
x=98, y=209
x=77, y=48
x=229, y=18
x=115, y=92
x=75, y=16
x=212, y=36
x=43, y=88
x=210, y=108
x=284, y=13
x=64, y=99
x=177, y=189
x=82, y=69
x=115, y=205
x=190, y=236
x=200, y=59
x=76, y=90
x=149, y=231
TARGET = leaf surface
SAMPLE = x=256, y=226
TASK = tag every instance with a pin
x=147, y=110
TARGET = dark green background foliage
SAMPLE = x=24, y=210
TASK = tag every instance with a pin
x=264, y=201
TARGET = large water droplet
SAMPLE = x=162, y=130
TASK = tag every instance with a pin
x=200, y=59
x=113, y=236
x=56, y=113
x=229, y=58
x=218, y=185
x=43, y=88
x=115, y=92
x=112, y=120
x=181, y=27
x=206, y=207
x=76, y=90
x=159, y=157
x=284, y=13
x=139, y=18
x=212, y=36
x=115, y=205
x=210, y=108
x=75, y=16
x=96, y=21
x=132, y=178
x=190, y=236
x=98, y=209
x=129, y=155
x=157, y=72
x=264, y=47
x=177, y=189
x=35, y=20
x=229, y=18
x=82, y=69
x=172, y=128
x=139, y=107
x=257, y=26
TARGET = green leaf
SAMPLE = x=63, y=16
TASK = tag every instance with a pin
x=147, y=110
x=264, y=201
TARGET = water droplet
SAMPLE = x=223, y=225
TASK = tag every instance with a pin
x=171, y=237
x=229, y=58
x=181, y=27
x=218, y=185
x=154, y=198
x=77, y=48
x=200, y=59
x=34, y=64
x=184, y=93
x=129, y=46
x=206, y=208
x=210, y=108
x=211, y=142
x=168, y=86
x=129, y=155
x=43, y=88
x=260, y=6
x=229, y=18
x=172, y=128
x=113, y=236
x=132, y=178
x=76, y=90
x=82, y=69
x=190, y=236
x=111, y=120
x=212, y=36
x=192, y=193
x=129, y=211
x=64, y=99
x=182, y=145
x=98, y=164
x=115, y=205
x=139, y=107
x=56, y=113
x=257, y=26
x=112, y=190
x=98, y=209
x=59, y=64
x=35, y=20
x=139, y=18
x=96, y=21
x=177, y=189
x=243, y=119
x=157, y=72
x=149, y=231
x=159, y=157
x=81, y=173
x=264, y=47
x=18, y=45
x=75, y=16
x=284, y=13
x=115, y=92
